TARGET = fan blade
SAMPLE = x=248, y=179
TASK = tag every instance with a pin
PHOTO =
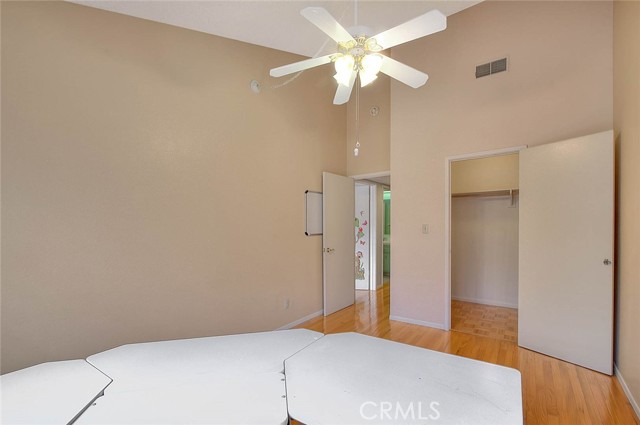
x=300, y=66
x=344, y=93
x=327, y=23
x=423, y=25
x=403, y=73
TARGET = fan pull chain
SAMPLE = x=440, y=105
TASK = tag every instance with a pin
x=356, y=151
x=355, y=12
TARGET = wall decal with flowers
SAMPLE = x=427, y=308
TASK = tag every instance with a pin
x=362, y=236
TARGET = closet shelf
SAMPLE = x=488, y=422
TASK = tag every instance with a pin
x=505, y=192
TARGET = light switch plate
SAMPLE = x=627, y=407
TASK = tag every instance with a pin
x=425, y=229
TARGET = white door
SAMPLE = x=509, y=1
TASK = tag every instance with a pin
x=338, y=205
x=566, y=250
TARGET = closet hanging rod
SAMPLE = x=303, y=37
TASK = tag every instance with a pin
x=505, y=192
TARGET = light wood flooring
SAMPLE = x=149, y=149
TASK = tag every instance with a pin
x=484, y=320
x=554, y=392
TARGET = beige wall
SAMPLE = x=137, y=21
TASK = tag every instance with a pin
x=559, y=85
x=485, y=174
x=626, y=116
x=148, y=194
x=374, y=130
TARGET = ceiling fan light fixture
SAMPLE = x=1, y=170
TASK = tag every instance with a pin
x=372, y=45
x=358, y=56
x=344, y=67
x=370, y=66
x=344, y=64
x=372, y=63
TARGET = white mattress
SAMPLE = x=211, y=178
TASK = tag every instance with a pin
x=240, y=379
x=249, y=399
x=356, y=379
x=235, y=379
x=49, y=393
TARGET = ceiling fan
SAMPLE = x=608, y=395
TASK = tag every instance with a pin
x=359, y=55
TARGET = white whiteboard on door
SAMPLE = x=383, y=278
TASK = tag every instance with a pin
x=313, y=213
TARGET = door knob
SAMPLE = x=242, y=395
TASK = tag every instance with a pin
x=606, y=262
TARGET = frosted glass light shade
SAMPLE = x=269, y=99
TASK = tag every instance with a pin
x=371, y=64
x=344, y=67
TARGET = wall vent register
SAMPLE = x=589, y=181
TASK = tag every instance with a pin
x=489, y=68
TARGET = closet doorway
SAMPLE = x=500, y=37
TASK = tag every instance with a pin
x=483, y=229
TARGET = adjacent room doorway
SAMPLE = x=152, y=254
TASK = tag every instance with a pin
x=371, y=232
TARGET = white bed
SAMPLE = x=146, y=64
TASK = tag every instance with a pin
x=198, y=381
x=353, y=379
x=50, y=393
x=265, y=378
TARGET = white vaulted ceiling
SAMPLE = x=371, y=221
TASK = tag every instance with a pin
x=276, y=24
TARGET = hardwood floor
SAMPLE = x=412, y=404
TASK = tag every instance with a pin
x=553, y=391
x=485, y=320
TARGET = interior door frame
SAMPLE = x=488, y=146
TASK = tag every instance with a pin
x=447, y=216
x=373, y=237
x=374, y=219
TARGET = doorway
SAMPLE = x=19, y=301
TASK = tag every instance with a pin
x=484, y=246
x=386, y=238
x=481, y=224
x=371, y=237
x=364, y=236
x=338, y=211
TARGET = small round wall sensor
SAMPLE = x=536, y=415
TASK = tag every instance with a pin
x=255, y=86
x=374, y=111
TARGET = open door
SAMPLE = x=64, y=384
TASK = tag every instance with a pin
x=566, y=250
x=338, y=205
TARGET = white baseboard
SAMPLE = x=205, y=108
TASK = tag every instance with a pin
x=485, y=302
x=417, y=322
x=625, y=388
x=301, y=320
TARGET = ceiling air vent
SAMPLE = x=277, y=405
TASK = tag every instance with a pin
x=489, y=68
